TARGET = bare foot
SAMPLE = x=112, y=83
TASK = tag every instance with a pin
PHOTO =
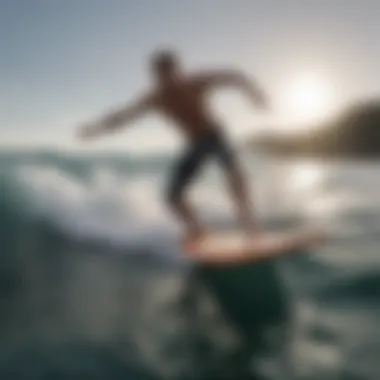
x=193, y=237
x=315, y=236
x=311, y=237
x=252, y=232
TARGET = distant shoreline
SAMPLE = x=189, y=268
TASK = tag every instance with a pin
x=354, y=135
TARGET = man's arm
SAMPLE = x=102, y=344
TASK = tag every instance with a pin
x=236, y=79
x=117, y=119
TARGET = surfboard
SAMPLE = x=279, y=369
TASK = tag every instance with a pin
x=226, y=248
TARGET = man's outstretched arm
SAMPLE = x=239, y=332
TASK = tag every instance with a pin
x=117, y=119
x=236, y=79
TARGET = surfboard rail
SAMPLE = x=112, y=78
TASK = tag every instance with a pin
x=221, y=248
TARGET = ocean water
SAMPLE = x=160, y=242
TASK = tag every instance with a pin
x=94, y=286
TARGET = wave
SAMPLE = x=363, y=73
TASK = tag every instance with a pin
x=118, y=200
x=353, y=289
x=68, y=361
x=85, y=264
x=55, y=222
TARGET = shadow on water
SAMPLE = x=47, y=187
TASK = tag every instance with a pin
x=253, y=300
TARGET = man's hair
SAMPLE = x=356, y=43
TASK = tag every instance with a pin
x=164, y=60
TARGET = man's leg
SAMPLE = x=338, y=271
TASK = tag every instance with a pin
x=185, y=212
x=240, y=192
x=184, y=173
x=238, y=185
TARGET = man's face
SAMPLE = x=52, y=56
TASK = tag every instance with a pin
x=165, y=69
x=164, y=74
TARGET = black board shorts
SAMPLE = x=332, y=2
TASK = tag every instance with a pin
x=212, y=145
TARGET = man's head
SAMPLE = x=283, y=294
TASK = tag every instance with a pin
x=165, y=65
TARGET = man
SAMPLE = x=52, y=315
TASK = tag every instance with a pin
x=182, y=98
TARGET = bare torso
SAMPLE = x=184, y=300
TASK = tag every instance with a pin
x=185, y=103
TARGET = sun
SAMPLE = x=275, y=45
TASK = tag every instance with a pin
x=306, y=99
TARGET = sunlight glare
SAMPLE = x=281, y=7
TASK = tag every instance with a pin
x=306, y=99
x=306, y=176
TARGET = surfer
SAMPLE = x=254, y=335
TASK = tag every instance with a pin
x=181, y=98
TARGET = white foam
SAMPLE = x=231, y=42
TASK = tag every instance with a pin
x=102, y=207
x=109, y=206
x=121, y=210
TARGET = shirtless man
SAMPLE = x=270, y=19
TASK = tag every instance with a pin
x=182, y=98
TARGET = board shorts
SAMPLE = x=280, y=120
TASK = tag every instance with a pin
x=213, y=144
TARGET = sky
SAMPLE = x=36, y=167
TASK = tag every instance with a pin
x=67, y=61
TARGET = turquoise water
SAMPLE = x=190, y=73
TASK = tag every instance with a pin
x=92, y=282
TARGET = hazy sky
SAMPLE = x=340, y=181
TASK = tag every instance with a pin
x=63, y=61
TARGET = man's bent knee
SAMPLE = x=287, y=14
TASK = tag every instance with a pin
x=235, y=174
x=175, y=199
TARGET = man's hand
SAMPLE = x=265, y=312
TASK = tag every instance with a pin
x=258, y=96
x=88, y=131
x=261, y=100
x=115, y=120
x=236, y=78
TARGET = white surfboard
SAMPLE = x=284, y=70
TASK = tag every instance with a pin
x=226, y=248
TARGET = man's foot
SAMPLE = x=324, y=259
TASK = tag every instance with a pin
x=313, y=237
x=193, y=237
x=309, y=238
x=252, y=231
